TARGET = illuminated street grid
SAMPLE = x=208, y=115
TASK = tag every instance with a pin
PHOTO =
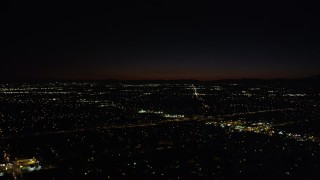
x=166, y=129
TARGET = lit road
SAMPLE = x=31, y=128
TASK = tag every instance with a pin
x=195, y=91
x=196, y=94
x=256, y=112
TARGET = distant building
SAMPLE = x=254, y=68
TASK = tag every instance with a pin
x=27, y=165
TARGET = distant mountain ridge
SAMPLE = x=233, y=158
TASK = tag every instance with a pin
x=314, y=77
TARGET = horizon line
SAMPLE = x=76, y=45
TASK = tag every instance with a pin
x=179, y=79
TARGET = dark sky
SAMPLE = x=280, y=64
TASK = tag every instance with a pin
x=128, y=39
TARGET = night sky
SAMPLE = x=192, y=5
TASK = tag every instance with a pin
x=204, y=40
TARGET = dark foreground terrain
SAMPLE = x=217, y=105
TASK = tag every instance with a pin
x=246, y=129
